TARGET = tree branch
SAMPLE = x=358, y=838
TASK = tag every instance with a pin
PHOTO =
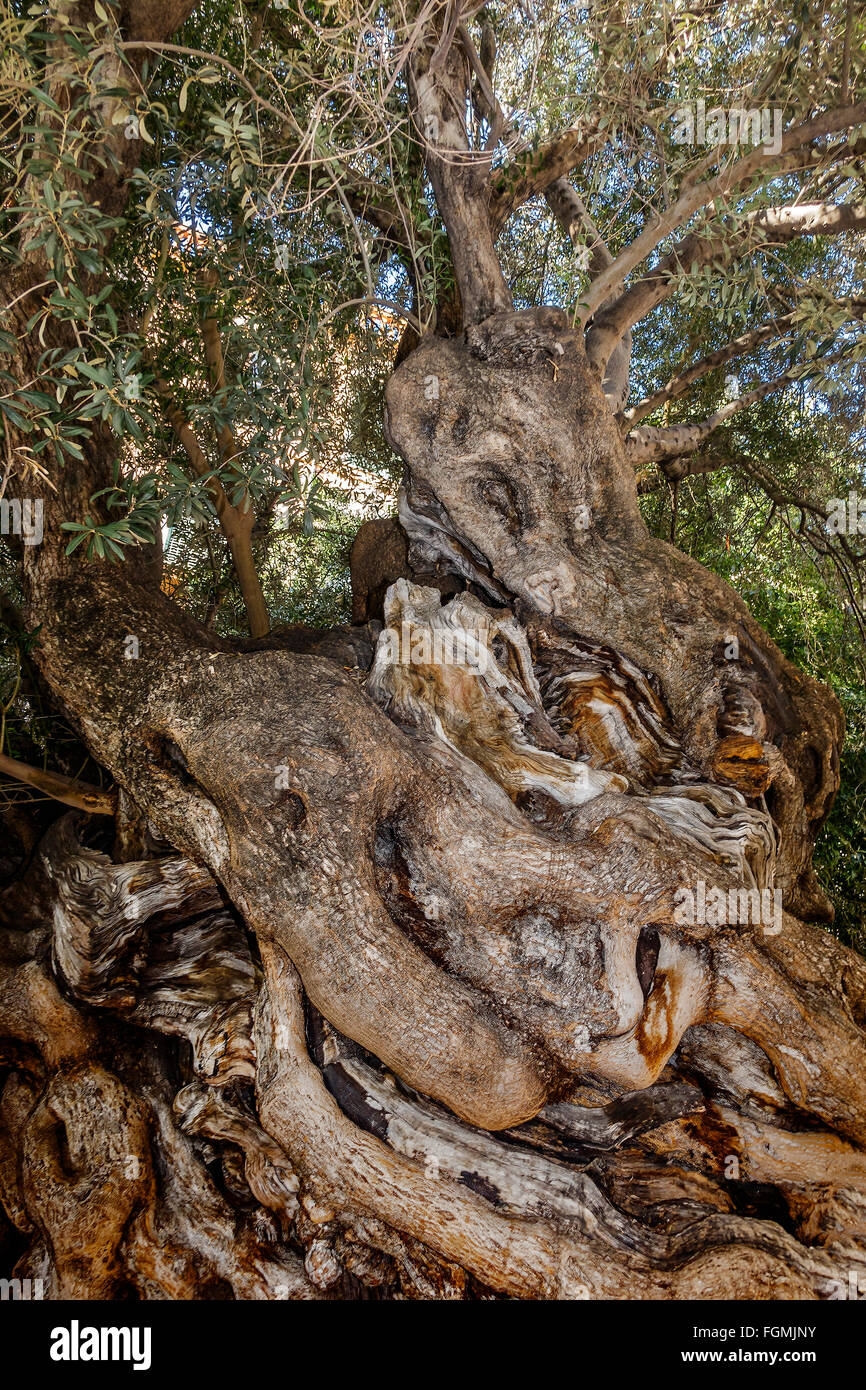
x=439, y=90
x=236, y=525
x=679, y=384
x=217, y=375
x=71, y=792
x=573, y=217
x=779, y=224
x=674, y=470
x=370, y=204
x=771, y=332
x=696, y=196
x=534, y=171
x=648, y=444
x=484, y=98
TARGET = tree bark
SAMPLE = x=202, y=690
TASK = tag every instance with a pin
x=449, y=1036
x=398, y=978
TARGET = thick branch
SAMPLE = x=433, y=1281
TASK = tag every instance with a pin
x=439, y=88
x=213, y=352
x=574, y=219
x=372, y=205
x=686, y=466
x=773, y=331
x=695, y=197
x=777, y=224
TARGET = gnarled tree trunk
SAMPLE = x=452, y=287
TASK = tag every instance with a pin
x=389, y=982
